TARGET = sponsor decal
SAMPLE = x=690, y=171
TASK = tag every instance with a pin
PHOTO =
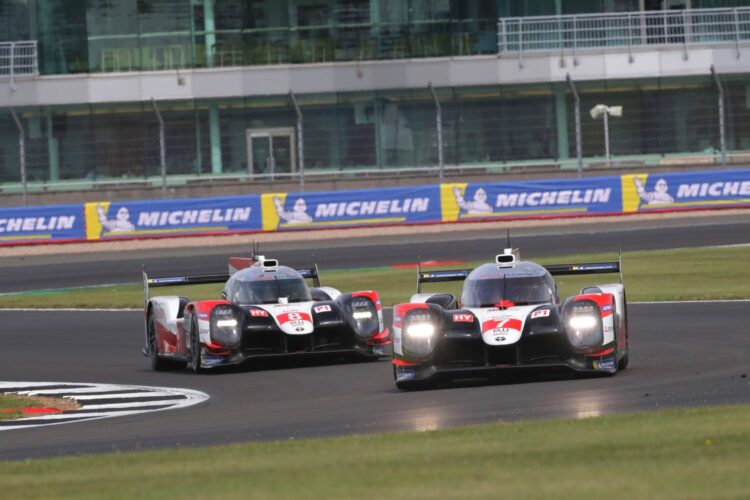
x=211, y=360
x=42, y=223
x=202, y=316
x=463, y=318
x=372, y=206
x=605, y=364
x=694, y=189
x=502, y=326
x=322, y=309
x=606, y=308
x=471, y=201
x=405, y=373
x=258, y=313
x=294, y=318
x=113, y=219
x=542, y=313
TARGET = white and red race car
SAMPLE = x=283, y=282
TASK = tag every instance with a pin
x=510, y=317
x=266, y=310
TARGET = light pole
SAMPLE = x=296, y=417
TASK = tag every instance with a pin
x=604, y=111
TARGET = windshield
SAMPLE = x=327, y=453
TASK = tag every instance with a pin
x=520, y=291
x=269, y=291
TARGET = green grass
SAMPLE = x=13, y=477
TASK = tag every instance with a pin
x=16, y=403
x=692, y=453
x=682, y=274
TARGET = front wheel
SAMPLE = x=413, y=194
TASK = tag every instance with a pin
x=195, y=347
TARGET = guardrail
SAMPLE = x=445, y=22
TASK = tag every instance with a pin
x=626, y=30
x=18, y=60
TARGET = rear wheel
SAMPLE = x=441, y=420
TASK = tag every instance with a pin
x=195, y=347
x=156, y=362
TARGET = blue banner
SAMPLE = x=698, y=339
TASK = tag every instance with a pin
x=123, y=219
x=675, y=191
x=561, y=197
x=366, y=207
x=39, y=224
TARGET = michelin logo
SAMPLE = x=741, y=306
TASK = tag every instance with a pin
x=713, y=189
x=31, y=224
x=479, y=206
x=151, y=219
x=299, y=215
x=659, y=196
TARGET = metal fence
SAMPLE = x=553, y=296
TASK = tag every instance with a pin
x=627, y=30
x=18, y=60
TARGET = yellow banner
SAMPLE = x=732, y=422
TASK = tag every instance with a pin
x=270, y=203
x=95, y=212
x=631, y=184
x=448, y=200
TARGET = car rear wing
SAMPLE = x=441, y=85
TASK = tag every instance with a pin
x=554, y=270
x=204, y=279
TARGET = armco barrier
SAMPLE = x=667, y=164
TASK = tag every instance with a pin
x=363, y=208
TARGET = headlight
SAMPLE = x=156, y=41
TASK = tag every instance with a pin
x=582, y=322
x=419, y=337
x=225, y=329
x=584, y=327
x=420, y=330
x=362, y=314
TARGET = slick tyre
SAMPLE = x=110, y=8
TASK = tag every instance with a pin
x=623, y=362
x=195, y=348
x=157, y=362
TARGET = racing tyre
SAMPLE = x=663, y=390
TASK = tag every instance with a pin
x=623, y=362
x=157, y=363
x=195, y=348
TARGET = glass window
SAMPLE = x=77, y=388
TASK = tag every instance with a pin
x=519, y=290
x=268, y=291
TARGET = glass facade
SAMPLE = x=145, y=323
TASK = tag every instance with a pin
x=483, y=126
x=85, y=36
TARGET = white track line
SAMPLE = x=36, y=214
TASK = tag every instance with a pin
x=65, y=309
x=728, y=301
x=120, y=405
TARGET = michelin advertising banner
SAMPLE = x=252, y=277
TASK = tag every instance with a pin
x=41, y=224
x=709, y=189
x=409, y=205
x=125, y=219
x=562, y=197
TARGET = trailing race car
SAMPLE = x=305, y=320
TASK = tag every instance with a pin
x=266, y=310
x=510, y=317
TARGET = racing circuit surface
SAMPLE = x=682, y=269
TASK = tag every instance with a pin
x=682, y=355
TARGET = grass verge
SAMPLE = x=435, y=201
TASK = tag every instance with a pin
x=12, y=407
x=681, y=274
x=689, y=453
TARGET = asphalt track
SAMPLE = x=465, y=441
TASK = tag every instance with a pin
x=682, y=355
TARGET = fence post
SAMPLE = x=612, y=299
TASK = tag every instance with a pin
x=162, y=150
x=300, y=142
x=520, y=42
x=21, y=155
x=685, y=34
x=579, y=148
x=439, y=125
x=722, y=131
x=737, y=32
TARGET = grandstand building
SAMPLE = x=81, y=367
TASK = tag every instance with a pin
x=249, y=89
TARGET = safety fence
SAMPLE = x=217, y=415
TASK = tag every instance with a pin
x=624, y=30
x=438, y=203
x=18, y=60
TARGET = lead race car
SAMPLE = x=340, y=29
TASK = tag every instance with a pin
x=266, y=310
x=510, y=317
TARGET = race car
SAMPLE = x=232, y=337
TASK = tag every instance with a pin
x=510, y=317
x=266, y=310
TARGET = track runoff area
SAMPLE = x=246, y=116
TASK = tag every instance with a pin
x=674, y=364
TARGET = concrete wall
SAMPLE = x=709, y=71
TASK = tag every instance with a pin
x=372, y=75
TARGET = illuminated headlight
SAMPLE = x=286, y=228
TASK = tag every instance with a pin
x=582, y=322
x=420, y=330
x=225, y=329
x=362, y=314
x=419, y=336
x=583, y=325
